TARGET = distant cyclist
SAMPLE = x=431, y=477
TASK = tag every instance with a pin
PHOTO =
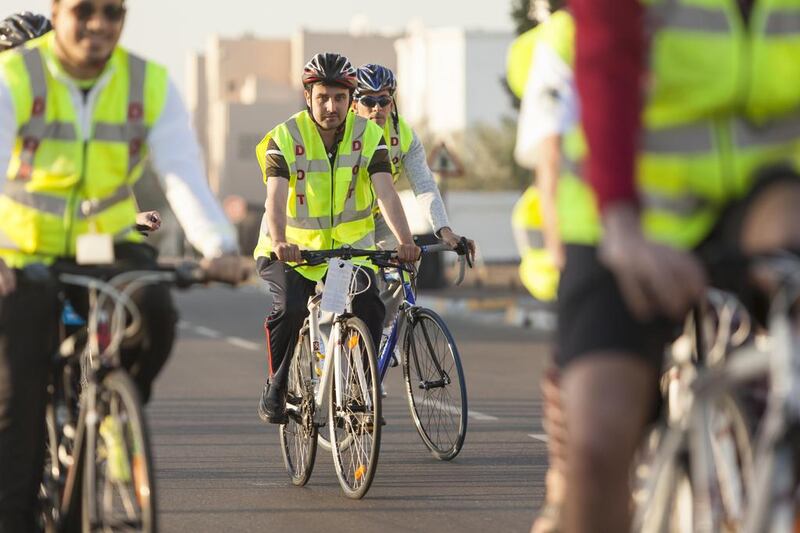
x=374, y=99
x=548, y=114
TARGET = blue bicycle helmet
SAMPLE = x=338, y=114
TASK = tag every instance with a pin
x=375, y=78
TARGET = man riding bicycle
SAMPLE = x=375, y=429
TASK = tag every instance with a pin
x=323, y=168
x=714, y=168
x=78, y=116
x=374, y=100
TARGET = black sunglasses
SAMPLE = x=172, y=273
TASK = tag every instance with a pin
x=86, y=10
x=372, y=101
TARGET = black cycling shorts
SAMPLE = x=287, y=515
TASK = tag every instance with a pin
x=593, y=317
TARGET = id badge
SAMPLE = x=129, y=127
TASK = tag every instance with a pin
x=337, y=286
x=94, y=249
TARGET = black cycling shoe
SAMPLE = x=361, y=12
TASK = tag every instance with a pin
x=272, y=406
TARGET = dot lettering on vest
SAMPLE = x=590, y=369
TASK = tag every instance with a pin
x=299, y=150
x=30, y=144
x=395, y=160
x=135, y=146
x=135, y=111
x=395, y=141
x=350, y=192
x=356, y=146
x=301, y=198
x=301, y=175
x=356, y=168
x=38, y=106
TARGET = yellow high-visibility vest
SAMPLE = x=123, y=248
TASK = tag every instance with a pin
x=59, y=185
x=327, y=206
x=537, y=270
x=723, y=103
x=398, y=140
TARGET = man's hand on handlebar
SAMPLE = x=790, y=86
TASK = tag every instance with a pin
x=148, y=221
x=287, y=252
x=408, y=253
x=226, y=269
x=453, y=240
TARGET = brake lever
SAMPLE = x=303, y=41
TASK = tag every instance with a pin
x=461, y=269
x=462, y=249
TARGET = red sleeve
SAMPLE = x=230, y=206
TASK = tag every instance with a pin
x=609, y=63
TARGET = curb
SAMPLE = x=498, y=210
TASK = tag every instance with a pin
x=515, y=312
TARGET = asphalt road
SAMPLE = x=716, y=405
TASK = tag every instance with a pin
x=219, y=467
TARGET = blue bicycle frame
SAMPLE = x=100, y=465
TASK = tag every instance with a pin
x=385, y=357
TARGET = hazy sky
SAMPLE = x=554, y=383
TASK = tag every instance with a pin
x=166, y=30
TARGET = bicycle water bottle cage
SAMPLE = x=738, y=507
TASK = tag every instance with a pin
x=69, y=317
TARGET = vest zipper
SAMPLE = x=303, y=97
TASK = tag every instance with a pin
x=71, y=204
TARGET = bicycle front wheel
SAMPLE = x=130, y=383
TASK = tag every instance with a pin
x=119, y=481
x=434, y=377
x=354, y=416
x=299, y=435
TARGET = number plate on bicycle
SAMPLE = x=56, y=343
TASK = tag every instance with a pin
x=337, y=286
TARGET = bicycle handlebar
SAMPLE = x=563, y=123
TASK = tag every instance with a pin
x=183, y=275
x=382, y=258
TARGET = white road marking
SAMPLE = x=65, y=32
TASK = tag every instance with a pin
x=239, y=342
x=539, y=436
x=207, y=332
x=455, y=410
x=244, y=344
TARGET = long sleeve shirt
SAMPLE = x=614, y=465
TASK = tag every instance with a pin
x=415, y=167
x=549, y=105
x=176, y=158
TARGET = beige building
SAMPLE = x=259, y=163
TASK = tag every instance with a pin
x=239, y=89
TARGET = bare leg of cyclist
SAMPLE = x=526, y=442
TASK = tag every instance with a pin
x=550, y=515
x=608, y=398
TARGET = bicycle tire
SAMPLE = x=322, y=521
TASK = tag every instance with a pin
x=355, y=428
x=119, y=463
x=430, y=356
x=298, y=437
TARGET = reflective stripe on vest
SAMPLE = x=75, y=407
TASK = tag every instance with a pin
x=35, y=129
x=674, y=15
x=783, y=22
x=535, y=238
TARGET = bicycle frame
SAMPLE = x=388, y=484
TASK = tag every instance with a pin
x=409, y=301
x=332, y=356
x=689, y=430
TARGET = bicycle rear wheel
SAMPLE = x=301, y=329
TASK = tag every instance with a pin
x=434, y=377
x=119, y=482
x=354, y=416
x=299, y=435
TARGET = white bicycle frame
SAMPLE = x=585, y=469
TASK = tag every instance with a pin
x=770, y=496
x=332, y=357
